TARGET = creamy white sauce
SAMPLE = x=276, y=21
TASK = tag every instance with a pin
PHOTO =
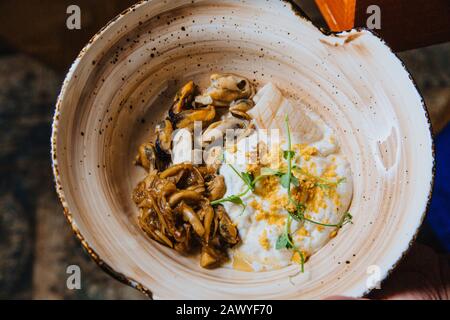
x=257, y=250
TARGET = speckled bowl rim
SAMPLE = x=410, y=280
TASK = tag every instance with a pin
x=135, y=284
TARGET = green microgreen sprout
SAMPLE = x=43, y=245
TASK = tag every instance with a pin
x=250, y=182
x=285, y=240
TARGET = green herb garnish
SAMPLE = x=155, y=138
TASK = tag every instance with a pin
x=236, y=199
x=288, y=154
x=286, y=180
x=270, y=172
x=248, y=179
x=285, y=240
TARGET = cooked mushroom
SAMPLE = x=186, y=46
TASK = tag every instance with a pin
x=197, y=188
x=183, y=98
x=207, y=260
x=175, y=211
x=245, y=132
x=174, y=170
x=211, y=257
x=216, y=188
x=207, y=214
x=218, y=129
x=163, y=238
x=147, y=157
x=207, y=170
x=150, y=204
x=186, y=119
x=151, y=224
x=190, y=216
x=227, y=229
x=192, y=179
x=186, y=196
x=240, y=107
x=175, y=203
x=226, y=88
x=163, y=143
x=185, y=244
x=162, y=187
x=139, y=192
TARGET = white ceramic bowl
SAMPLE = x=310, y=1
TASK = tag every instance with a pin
x=123, y=80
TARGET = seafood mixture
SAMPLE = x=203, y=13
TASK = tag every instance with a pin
x=229, y=177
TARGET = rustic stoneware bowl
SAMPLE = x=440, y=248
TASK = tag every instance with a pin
x=123, y=81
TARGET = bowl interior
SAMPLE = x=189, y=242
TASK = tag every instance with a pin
x=124, y=80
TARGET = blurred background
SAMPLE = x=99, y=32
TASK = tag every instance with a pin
x=36, y=50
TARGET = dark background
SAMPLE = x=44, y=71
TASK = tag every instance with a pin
x=36, y=244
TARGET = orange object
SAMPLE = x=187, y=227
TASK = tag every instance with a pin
x=403, y=24
x=339, y=14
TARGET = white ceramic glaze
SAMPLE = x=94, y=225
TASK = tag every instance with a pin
x=123, y=80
